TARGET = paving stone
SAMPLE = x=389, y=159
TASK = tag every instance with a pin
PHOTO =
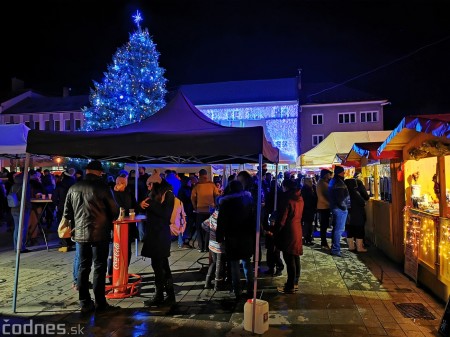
x=336, y=297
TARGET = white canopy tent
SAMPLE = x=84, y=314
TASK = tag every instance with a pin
x=13, y=140
x=13, y=143
x=336, y=146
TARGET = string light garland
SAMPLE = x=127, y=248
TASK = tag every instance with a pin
x=280, y=122
x=420, y=234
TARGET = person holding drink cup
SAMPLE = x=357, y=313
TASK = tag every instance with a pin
x=126, y=199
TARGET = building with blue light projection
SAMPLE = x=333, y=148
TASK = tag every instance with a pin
x=272, y=104
x=295, y=116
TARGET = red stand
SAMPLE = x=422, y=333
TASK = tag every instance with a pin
x=120, y=287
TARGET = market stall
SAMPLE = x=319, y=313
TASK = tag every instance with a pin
x=336, y=146
x=425, y=145
x=384, y=225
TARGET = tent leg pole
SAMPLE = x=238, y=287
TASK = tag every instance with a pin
x=258, y=229
x=136, y=175
x=19, y=235
x=276, y=188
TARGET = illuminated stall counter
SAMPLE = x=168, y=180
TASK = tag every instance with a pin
x=425, y=160
x=421, y=240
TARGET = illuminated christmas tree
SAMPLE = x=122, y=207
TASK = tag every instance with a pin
x=132, y=89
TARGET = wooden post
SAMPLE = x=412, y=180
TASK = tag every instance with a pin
x=442, y=187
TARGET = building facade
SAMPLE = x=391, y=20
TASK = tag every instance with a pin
x=295, y=116
x=40, y=112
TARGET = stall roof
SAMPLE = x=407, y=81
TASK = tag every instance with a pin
x=368, y=150
x=337, y=145
x=410, y=126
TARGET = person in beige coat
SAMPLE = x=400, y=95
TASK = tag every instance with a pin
x=323, y=206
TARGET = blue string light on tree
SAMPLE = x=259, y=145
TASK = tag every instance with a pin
x=132, y=89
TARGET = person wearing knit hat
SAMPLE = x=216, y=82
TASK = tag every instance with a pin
x=123, y=173
x=338, y=169
x=339, y=204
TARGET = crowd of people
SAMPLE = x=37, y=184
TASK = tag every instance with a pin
x=199, y=213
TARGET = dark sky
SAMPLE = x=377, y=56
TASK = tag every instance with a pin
x=51, y=44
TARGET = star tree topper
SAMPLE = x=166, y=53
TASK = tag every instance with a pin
x=137, y=19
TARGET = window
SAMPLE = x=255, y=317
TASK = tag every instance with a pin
x=347, y=117
x=57, y=126
x=37, y=126
x=47, y=126
x=369, y=116
x=317, y=119
x=67, y=125
x=77, y=124
x=316, y=139
x=27, y=123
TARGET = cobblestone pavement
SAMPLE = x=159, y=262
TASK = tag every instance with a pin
x=356, y=295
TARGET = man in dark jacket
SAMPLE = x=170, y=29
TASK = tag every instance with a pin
x=339, y=203
x=91, y=206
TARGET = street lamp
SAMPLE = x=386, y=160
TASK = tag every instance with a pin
x=58, y=161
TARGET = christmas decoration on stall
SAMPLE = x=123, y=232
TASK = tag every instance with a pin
x=444, y=248
x=133, y=88
x=430, y=148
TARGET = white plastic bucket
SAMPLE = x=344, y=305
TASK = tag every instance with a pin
x=261, y=316
x=415, y=191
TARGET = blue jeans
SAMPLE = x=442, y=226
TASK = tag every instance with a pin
x=26, y=218
x=141, y=230
x=76, y=263
x=340, y=217
x=236, y=275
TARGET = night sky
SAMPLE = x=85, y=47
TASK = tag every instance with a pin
x=397, y=50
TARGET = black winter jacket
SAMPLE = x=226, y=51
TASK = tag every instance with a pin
x=157, y=237
x=236, y=225
x=357, y=211
x=338, y=193
x=60, y=193
x=91, y=206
